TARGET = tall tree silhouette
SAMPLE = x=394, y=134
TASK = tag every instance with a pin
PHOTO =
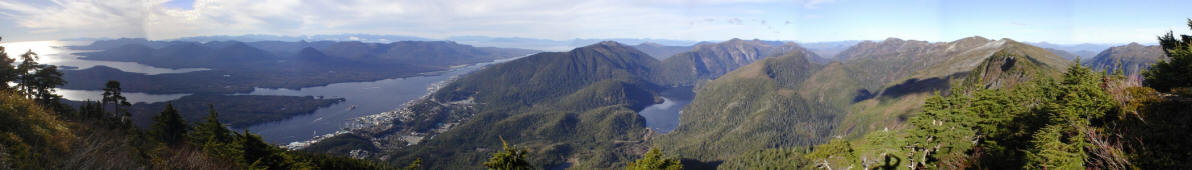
x=7, y=72
x=111, y=94
x=25, y=73
x=45, y=80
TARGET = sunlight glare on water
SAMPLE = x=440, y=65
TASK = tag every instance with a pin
x=57, y=53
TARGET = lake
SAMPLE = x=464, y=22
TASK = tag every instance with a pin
x=97, y=95
x=664, y=117
x=360, y=99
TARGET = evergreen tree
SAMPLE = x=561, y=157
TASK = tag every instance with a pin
x=25, y=74
x=168, y=126
x=211, y=129
x=1056, y=147
x=1176, y=72
x=942, y=132
x=508, y=159
x=655, y=160
x=111, y=94
x=255, y=153
x=7, y=72
x=46, y=78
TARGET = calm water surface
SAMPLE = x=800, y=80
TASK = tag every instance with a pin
x=664, y=117
x=361, y=99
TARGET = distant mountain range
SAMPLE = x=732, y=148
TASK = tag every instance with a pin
x=661, y=52
x=272, y=64
x=1132, y=57
x=826, y=49
x=711, y=60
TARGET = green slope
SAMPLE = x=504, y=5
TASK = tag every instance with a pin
x=1132, y=57
x=993, y=64
x=789, y=102
x=577, y=106
x=756, y=106
x=711, y=60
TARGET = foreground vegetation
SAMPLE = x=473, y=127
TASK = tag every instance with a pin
x=1083, y=119
x=39, y=132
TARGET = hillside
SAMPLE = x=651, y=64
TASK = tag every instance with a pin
x=575, y=106
x=989, y=64
x=711, y=60
x=878, y=86
x=1132, y=57
x=756, y=106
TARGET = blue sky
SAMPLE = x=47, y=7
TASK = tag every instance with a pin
x=1064, y=22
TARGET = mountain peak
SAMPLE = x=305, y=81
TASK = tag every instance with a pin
x=892, y=39
x=974, y=39
x=650, y=44
x=611, y=44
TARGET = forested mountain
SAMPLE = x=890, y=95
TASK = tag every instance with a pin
x=577, y=106
x=659, y=51
x=711, y=60
x=239, y=67
x=221, y=54
x=1132, y=57
x=756, y=106
x=986, y=64
x=742, y=110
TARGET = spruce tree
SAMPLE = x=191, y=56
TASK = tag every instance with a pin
x=25, y=73
x=168, y=126
x=1175, y=73
x=211, y=129
x=112, y=94
x=7, y=72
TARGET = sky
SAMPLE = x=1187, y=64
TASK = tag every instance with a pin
x=1055, y=21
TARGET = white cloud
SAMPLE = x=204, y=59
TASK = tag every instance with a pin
x=673, y=19
x=113, y=18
